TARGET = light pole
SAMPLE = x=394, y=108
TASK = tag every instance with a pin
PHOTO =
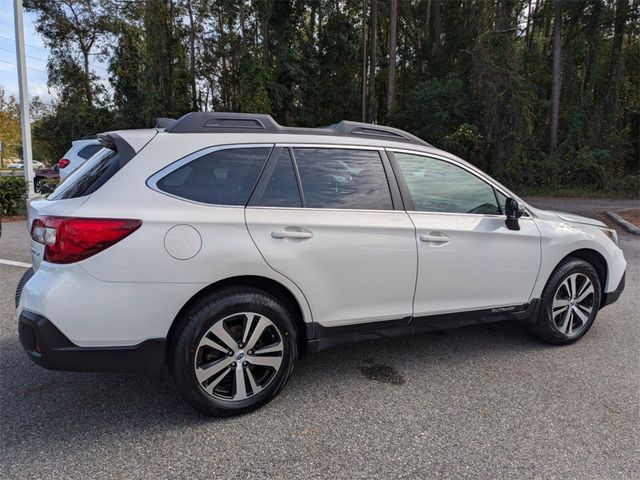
x=27, y=158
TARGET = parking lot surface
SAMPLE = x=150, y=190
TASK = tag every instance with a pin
x=479, y=402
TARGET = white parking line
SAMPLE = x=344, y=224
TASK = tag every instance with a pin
x=13, y=263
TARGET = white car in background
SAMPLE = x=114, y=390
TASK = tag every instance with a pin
x=80, y=151
x=35, y=164
x=227, y=246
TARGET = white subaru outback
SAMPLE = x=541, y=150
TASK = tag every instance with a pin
x=226, y=246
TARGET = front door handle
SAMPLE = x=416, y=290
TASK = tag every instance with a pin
x=294, y=234
x=434, y=238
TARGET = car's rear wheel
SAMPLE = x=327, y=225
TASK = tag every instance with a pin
x=233, y=351
x=570, y=303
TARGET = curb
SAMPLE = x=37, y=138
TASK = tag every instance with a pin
x=629, y=227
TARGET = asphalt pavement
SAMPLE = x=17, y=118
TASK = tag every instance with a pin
x=479, y=402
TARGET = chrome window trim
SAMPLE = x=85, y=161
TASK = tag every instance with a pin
x=152, y=181
x=320, y=209
x=473, y=171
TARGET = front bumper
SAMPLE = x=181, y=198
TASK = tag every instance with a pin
x=50, y=348
x=612, y=297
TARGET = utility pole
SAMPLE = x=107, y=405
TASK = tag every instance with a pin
x=27, y=159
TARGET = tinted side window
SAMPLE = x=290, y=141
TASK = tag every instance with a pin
x=342, y=178
x=223, y=177
x=439, y=186
x=89, y=177
x=282, y=189
x=89, y=151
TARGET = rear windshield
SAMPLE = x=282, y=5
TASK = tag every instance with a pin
x=89, y=177
x=89, y=151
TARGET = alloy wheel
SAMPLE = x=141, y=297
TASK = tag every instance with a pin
x=238, y=356
x=573, y=304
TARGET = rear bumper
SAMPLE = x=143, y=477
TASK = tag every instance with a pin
x=50, y=348
x=612, y=297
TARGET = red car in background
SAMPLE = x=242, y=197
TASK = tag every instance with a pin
x=43, y=176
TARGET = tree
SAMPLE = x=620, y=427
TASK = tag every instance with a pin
x=9, y=126
x=556, y=75
x=373, y=53
x=391, y=77
x=73, y=30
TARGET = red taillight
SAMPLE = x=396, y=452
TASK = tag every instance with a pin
x=71, y=239
x=63, y=162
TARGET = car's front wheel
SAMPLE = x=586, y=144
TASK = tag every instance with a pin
x=233, y=351
x=570, y=303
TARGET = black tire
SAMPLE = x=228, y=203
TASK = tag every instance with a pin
x=544, y=326
x=25, y=278
x=194, y=325
x=37, y=184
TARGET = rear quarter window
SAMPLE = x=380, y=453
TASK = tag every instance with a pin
x=221, y=177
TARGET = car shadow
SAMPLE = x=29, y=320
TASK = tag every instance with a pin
x=75, y=407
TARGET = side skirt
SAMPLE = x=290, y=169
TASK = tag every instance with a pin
x=328, y=337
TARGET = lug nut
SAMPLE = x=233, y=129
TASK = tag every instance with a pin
x=245, y=364
x=230, y=353
x=240, y=345
x=250, y=352
x=233, y=365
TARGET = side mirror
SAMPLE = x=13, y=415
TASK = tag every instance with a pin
x=513, y=211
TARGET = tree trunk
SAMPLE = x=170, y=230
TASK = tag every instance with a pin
x=391, y=74
x=622, y=7
x=87, y=76
x=437, y=28
x=364, y=60
x=192, y=58
x=556, y=76
x=371, y=101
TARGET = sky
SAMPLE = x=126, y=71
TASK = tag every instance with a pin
x=36, y=54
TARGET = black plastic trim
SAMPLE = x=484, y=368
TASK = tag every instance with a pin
x=407, y=200
x=228, y=122
x=48, y=347
x=612, y=297
x=328, y=337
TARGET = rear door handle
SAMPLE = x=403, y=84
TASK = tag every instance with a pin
x=434, y=238
x=295, y=234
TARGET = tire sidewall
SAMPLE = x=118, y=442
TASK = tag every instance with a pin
x=560, y=275
x=200, y=319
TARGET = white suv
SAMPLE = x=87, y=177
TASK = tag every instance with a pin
x=226, y=246
x=80, y=151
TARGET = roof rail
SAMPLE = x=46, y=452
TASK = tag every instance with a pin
x=226, y=122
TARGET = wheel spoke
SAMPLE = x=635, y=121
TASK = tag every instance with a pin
x=270, y=349
x=211, y=369
x=207, y=342
x=572, y=285
x=211, y=387
x=273, y=362
x=559, y=311
x=241, y=387
x=252, y=381
x=565, y=321
x=584, y=316
x=585, y=292
x=257, y=333
x=219, y=331
x=247, y=327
